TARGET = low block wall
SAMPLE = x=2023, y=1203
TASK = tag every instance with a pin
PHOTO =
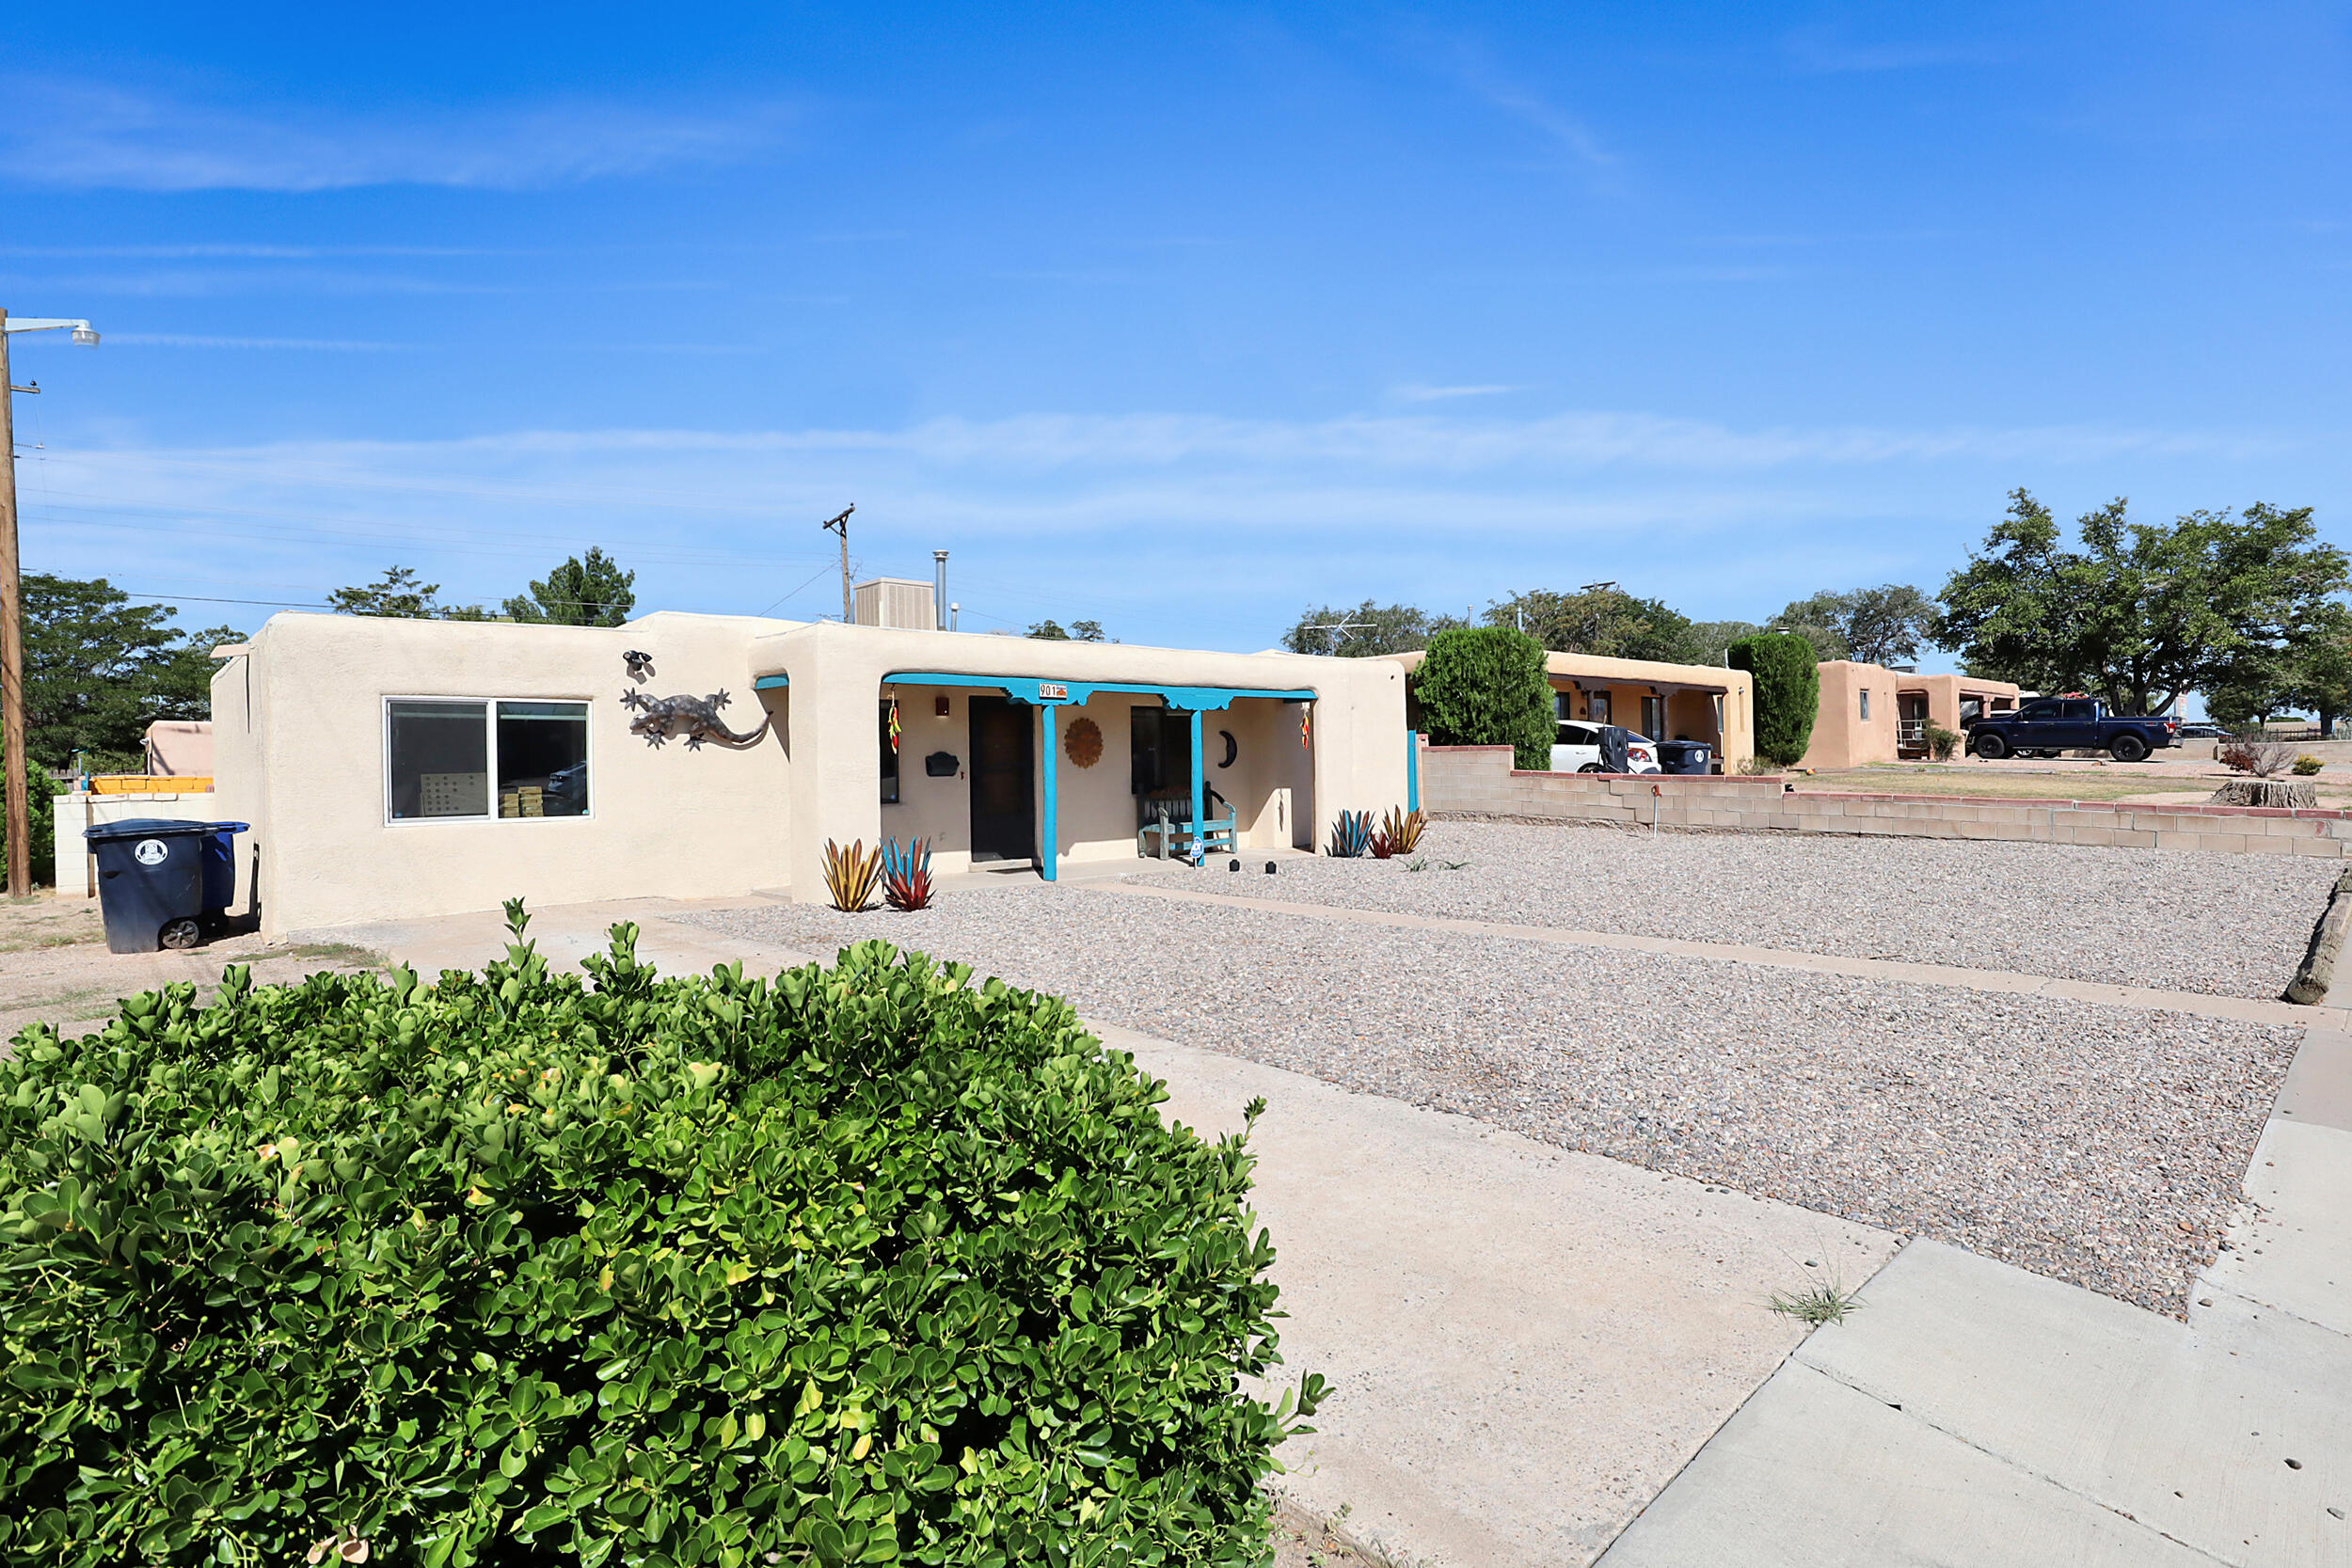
x=1479, y=781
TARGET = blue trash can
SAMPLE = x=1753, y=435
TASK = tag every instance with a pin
x=150, y=882
x=220, y=867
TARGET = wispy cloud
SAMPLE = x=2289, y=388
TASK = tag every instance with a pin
x=1414, y=393
x=79, y=135
x=1468, y=63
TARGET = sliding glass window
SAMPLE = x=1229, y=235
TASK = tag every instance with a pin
x=448, y=758
x=543, y=759
x=439, y=756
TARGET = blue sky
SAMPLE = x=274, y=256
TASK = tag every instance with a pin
x=1178, y=318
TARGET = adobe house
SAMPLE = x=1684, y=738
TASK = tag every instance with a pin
x=1870, y=713
x=395, y=768
x=1664, y=702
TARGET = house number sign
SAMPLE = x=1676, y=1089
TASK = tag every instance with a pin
x=1052, y=691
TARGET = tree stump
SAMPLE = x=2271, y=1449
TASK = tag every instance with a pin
x=2285, y=794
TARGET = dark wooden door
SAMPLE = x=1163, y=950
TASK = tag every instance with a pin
x=1004, y=804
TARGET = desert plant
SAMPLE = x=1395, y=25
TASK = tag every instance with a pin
x=1404, y=829
x=2305, y=765
x=1351, y=834
x=856, y=1264
x=1830, y=1302
x=1486, y=686
x=851, y=874
x=907, y=875
x=1942, y=742
x=1382, y=847
x=1787, y=693
x=2252, y=755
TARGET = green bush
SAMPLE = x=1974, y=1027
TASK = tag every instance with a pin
x=41, y=803
x=858, y=1265
x=2305, y=765
x=1942, y=742
x=1787, y=693
x=1486, y=686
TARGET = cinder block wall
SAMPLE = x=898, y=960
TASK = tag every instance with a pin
x=1479, y=781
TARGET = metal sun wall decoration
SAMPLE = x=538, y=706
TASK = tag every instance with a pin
x=1084, y=744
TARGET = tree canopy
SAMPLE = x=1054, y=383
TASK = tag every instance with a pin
x=2140, y=612
x=582, y=592
x=1080, y=631
x=1486, y=686
x=98, y=669
x=399, y=596
x=1887, y=624
x=1787, y=693
x=1365, y=631
x=1603, y=620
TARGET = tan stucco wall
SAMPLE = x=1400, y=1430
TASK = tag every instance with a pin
x=1689, y=713
x=1840, y=736
x=837, y=673
x=299, y=745
x=307, y=767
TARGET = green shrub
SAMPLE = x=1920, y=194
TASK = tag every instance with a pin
x=1486, y=686
x=1787, y=693
x=2306, y=765
x=41, y=803
x=1942, y=742
x=858, y=1265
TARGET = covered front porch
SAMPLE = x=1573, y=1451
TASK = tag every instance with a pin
x=999, y=771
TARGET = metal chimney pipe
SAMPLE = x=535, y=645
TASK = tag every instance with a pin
x=939, y=588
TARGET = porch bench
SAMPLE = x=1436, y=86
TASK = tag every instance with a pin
x=1166, y=828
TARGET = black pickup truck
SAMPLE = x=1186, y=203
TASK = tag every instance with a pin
x=2048, y=725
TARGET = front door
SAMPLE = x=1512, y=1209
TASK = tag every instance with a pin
x=1004, y=804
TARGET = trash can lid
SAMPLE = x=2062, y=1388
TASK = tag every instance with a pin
x=145, y=827
x=231, y=827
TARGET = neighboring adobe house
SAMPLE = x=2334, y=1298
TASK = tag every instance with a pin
x=1869, y=713
x=180, y=748
x=396, y=767
x=1664, y=702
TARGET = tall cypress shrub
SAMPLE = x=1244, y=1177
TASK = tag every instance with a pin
x=1787, y=693
x=1486, y=686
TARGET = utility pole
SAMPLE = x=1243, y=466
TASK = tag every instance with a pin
x=841, y=525
x=20, y=820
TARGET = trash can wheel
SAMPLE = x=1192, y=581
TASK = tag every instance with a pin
x=182, y=933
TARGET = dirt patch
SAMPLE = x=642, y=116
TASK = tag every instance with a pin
x=1302, y=1541
x=54, y=966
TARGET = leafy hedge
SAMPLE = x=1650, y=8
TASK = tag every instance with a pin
x=858, y=1265
x=1487, y=685
x=1787, y=693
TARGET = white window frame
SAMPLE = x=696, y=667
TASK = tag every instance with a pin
x=490, y=757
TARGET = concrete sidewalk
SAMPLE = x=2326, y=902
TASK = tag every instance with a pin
x=1974, y=1413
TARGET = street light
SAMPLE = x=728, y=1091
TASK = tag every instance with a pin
x=12, y=601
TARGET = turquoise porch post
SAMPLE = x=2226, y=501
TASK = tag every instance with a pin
x=1049, y=831
x=1412, y=770
x=1200, y=788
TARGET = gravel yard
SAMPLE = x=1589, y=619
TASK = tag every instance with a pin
x=2223, y=924
x=2094, y=1144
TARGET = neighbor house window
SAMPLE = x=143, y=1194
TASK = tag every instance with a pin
x=1866, y=705
x=1654, y=718
x=1596, y=707
x=441, y=756
x=889, y=760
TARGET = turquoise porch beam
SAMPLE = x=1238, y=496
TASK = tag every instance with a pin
x=1199, y=786
x=1037, y=689
x=1049, y=835
x=772, y=683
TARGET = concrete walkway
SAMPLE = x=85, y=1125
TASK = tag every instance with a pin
x=1537, y=1353
x=1975, y=1413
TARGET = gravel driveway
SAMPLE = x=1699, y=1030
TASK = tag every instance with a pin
x=2096, y=1145
x=2224, y=924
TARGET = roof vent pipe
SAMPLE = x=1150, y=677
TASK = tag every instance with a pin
x=939, y=588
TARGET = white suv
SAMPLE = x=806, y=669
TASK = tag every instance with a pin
x=1577, y=750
